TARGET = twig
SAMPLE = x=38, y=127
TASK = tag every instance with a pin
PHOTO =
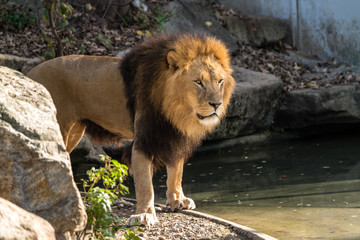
x=107, y=9
x=59, y=46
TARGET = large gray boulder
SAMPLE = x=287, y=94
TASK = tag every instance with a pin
x=35, y=171
x=195, y=16
x=311, y=107
x=253, y=104
x=16, y=223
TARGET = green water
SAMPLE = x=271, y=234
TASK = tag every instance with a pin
x=298, y=190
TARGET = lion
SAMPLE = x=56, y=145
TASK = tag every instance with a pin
x=165, y=96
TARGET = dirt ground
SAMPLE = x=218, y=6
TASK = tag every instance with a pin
x=92, y=32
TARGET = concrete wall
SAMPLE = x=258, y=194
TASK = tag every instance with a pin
x=324, y=28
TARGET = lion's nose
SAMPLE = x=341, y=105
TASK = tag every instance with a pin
x=215, y=105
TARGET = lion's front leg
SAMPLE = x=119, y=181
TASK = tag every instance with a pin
x=142, y=172
x=175, y=196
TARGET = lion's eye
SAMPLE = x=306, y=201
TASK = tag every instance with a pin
x=199, y=82
x=220, y=81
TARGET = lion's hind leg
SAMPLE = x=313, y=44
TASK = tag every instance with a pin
x=175, y=196
x=66, y=127
x=74, y=136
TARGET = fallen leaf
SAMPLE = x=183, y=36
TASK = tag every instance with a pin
x=208, y=23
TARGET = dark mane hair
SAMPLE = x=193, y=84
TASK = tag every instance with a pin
x=141, y=69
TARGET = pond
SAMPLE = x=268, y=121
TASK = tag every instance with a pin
x=295, y=190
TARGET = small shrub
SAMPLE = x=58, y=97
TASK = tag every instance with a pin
x=153, y=23
x=161, y=18
x=15, y=16
x=102, y=223
x=56, y=13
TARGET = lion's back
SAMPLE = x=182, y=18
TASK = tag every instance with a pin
x=87, y=87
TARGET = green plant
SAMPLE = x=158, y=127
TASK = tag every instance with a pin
x=130, y=235
x=153, y=23
x=15, y=16
x=161, y=18
x=143, y=19
x=82, y=48
x=102, y=224
x=56, y=13
x=103, y=40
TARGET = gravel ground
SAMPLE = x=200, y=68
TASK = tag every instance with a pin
x=179, y=225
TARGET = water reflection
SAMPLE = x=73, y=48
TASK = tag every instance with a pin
x=297, y=190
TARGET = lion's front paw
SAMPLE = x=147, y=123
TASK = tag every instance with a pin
x=189, y=203
x=185, y=203
x=147, y=219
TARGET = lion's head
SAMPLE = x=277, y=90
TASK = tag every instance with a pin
x=199, y=84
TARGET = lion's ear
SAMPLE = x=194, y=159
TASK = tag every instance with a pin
x=171, y=60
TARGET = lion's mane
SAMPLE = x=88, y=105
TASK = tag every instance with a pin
x=145, y=71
